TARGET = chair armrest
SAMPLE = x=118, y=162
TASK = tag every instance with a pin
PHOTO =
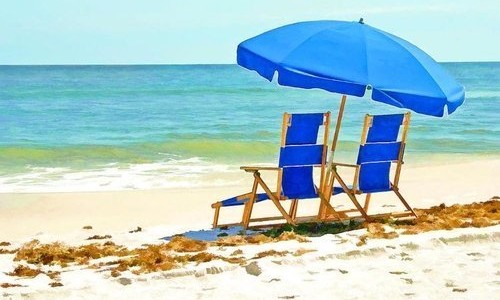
x=344, y=165
x=257, y=168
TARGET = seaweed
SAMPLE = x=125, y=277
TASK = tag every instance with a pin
x=314, y=229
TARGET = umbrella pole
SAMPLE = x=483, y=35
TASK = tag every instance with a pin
x=337, y=130
x=328, y=184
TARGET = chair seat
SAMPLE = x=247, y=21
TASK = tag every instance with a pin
x=234, y=201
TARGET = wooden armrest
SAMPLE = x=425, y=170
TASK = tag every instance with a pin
x=257, y=168
x=344, y=165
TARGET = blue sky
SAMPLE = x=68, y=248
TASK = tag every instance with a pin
x=197, y=32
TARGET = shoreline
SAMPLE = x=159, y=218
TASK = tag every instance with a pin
x=169, y=176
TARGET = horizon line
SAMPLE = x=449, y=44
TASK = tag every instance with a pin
x=179, y=64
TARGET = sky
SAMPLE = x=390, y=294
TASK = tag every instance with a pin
x=208, y=32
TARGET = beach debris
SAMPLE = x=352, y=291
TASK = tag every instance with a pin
x=302, y=251
x=477, y=214
x=55, y=284
x=270, y=253
x=480, y=214
x=290, y=235
x=180, y=250
x=124, y=281
x=183, y=244
x=253, y=269
x=287, y=297
x=397, y=272
x=6, y=285
x=377, y=231
x=237, y=252
x=343, y=271
x=24, y=271
x=6, y=251
x=4, y=244
x=274, y=279
x=313, y=229
x=459, y=290
x=60, y=254
x=261, y=238
x=408, y=280
x=99, y=237
x=138, y=229
x=237, y=240
x=87, y=227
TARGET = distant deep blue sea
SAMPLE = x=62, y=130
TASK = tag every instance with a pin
x=126, y=127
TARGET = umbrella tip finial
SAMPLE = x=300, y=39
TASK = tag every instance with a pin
x=361, y=21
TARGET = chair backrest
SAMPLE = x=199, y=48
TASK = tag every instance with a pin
x=380, y=147
x=300, y=152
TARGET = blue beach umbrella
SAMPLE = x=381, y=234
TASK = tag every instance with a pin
x=350, y=58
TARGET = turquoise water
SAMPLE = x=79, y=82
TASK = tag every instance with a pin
x=115, y=127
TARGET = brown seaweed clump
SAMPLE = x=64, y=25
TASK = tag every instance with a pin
x=61, y=254
x=238, y=240
x=24, y=271
x=6, y=251
x=271, y=253
x=376, y=231
x=441, y=217
x=99, y=237
x=154, y=258
x=9, y=285
x=184, y=244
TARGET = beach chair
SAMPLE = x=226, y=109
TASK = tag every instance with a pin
x=379, y=150
x=300, y=153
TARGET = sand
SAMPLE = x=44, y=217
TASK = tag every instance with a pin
x=456, y=264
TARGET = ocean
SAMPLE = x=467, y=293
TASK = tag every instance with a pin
x=90, y=128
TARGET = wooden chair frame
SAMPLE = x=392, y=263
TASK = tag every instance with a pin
x=290, y=216
x=354, y=190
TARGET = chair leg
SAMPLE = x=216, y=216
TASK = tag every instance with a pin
x=327, y=207
x=247, y=211
x=351, y=196
x=216, y=217
x=367, y=202
x=293, y=208
x=273, y=198
x=325, y=200
x=408, y=207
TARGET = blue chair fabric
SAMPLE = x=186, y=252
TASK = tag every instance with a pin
x=298, y=156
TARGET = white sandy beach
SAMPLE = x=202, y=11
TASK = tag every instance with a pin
x=428, y=265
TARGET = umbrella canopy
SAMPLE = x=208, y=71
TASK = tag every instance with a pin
x=349, y=58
